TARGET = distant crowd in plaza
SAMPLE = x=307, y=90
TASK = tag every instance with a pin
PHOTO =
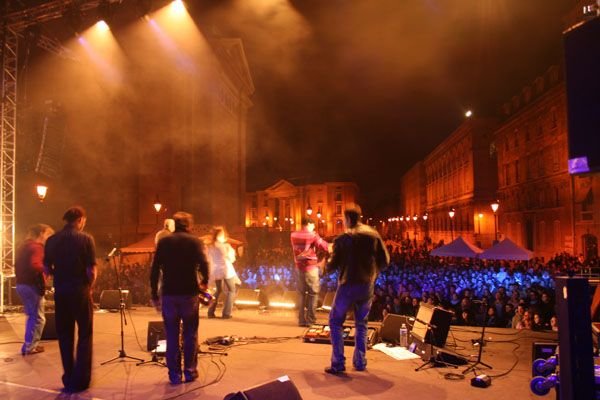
x=517, y=295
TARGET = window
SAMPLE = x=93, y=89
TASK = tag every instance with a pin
x=557, y=235
x=338, y=194
x=542, y=234
x=517, y=180
x=338, y=209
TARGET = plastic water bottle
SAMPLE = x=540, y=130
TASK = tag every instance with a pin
x=403, y=336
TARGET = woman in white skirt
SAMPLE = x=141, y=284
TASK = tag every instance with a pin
x=221, y=257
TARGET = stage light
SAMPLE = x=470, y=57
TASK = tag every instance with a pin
x=102, y=26
x=41, y=191
x=469, y=114
x=178, y=7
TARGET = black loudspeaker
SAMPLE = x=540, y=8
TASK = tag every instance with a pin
x=390, y=327
x=110, y=299
x=575, y=339
x=582, y=64
x=156, y=332
x=280, y=389
x=432, y=325
x=49, y=332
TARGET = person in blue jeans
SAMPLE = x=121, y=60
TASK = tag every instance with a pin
x=181, y=259
x=359, y=255
x=29, y=268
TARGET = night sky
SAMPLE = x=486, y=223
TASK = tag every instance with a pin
x=362, y=89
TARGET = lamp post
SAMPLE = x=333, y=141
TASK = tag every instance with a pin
x=157, y=207
x=451, y=214
x=479, y=223
x=495, y=205
x=41, y=191
x=425, y=217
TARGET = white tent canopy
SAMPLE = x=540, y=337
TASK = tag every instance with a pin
x=506, y=250
x=457, y=248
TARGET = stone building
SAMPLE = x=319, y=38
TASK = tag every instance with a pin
x=282, y=205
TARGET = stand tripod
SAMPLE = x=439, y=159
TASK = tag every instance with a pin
x=481, y=343
x=155, y=360
x=432, y=361
x=122, y=353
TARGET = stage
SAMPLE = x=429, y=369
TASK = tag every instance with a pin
x=38, y=376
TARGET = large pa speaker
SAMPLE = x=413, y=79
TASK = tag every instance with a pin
x=432, y=325
x=49, y=332
x=582, y=64
x=156, y=332
x=111, y=300
x=279, y=389
x=575, y=339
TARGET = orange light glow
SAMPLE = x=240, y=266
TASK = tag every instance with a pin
x=102, y=26
x=178, y=7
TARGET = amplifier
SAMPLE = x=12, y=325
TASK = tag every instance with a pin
x=318, y=333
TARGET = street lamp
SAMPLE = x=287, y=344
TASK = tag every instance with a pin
x=157, y=207
x=479, y=223
x=41, y=191
x=495, y=205
x=425, y=217
x=451, y=214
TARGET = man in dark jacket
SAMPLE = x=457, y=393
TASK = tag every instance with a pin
x=70, y=257
x=358, y=256
x=180, y=257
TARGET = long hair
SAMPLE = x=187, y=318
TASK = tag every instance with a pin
x=216, y=231
x=37, y=230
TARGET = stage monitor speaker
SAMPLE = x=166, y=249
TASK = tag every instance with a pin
x=582, y=64
x=390, y=327
x=435, y=318
x=280, y=389
x=49, y=332
x=575, y=338
x=110, y=299
x=156, y=332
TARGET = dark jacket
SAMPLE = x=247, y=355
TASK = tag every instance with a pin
x=359, y=255
x=180, y=257
x=68, y=255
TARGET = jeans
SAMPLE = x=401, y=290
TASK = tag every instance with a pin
x=75, y=307
x=176, y=309
x=358, y=297
x=308, y=290
x=228, y=297
x=33, y=303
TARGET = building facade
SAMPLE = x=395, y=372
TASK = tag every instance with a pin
x=543, y=207
x=282, y=205
x=413, y=203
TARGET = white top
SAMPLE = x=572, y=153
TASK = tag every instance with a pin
x=221, y=257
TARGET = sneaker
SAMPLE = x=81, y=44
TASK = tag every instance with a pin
x=175, y=379
x=335, y=371
x=35, y=350
x=360, y=369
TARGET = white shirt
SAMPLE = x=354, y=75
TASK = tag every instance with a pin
x=221, y=257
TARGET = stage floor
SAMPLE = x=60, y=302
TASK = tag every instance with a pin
x=38, y=376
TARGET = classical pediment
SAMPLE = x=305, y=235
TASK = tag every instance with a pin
x=230, y=52
x=282, y=188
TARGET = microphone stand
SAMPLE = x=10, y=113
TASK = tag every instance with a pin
x=433, y=361
x=122, y=353
x=481, y=343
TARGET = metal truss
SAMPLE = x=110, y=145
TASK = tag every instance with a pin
x=8, y=135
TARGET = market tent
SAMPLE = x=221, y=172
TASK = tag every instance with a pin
x=457, y=248
x=506, y=250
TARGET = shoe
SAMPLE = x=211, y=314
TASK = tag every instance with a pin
x=175, y=379
x=211, y=316
x=335, y=371
x=35, y=350
x=227, y=317
x=360, y=369
x=191, y=376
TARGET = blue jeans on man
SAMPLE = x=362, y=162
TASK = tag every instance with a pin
x=229, y=297
x=308, y=291
x=184, y=310
x=33, y=302
x=357, y=297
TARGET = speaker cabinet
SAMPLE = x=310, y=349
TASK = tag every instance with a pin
x=575, y=339
x=279, y=389
x=582, y=64
x=156, y=332
x=49, y=332
x=432, y=325
x=110, y=299
x=247, y=298
x=390, y=327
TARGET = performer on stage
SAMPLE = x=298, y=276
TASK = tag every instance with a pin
x=358, y=256
x=221, y=257
x=29, y=267
x=70, y=256
x=304, y=245
x=180, y=257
